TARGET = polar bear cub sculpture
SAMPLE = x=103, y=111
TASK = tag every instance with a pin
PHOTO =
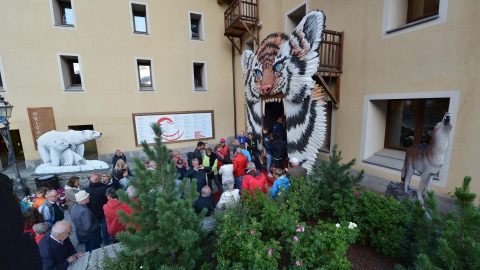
x=51, y=143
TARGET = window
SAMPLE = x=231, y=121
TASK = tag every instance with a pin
x=71, y=72
x=250, y=45
x=139, y=15
x=63, y=13
x=199, y=77
x=411, y=121
x=1, y=82
x=196, y=26
x=419, y=9
x=403, y=14
x=144, y=71
x=294, y=17
x=328, y=129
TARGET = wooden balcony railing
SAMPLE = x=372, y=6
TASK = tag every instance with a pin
x=331, y=52
x=240, y=16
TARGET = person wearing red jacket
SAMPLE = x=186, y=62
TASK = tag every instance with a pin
x=223, y=151
x=253, y=181
x=240, y=163
x=111, y=209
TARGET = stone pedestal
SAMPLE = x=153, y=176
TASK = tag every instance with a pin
x=397, y=191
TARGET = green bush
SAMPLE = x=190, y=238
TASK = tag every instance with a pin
x=451, y=241
x=382, y=220
x=276, y=217
x=240, y=243
x=322, y=247
x=314, y=194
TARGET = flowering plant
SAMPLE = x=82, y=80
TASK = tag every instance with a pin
x=30, y=199
x=324, y=246
x=61, y=197
x=242, y=245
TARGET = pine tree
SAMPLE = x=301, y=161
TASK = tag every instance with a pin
x=451, y=241
x=334, y=177
x=164, y=231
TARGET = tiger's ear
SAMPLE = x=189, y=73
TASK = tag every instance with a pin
x=247, y=57
x=310, y=30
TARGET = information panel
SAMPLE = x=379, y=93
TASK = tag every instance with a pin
x=41, y=121
x=176, y=126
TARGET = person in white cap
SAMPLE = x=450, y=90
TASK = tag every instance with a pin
x=295, y=169
x=86, y=225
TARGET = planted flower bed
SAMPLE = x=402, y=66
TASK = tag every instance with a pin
x=324, y=222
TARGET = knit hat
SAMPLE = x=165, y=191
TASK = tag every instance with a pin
x=81, y=195
x=222, y=140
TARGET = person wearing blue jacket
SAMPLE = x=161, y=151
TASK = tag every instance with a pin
x=282, y=183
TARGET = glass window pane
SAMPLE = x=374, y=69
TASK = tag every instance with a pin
x=76, y=77
x=435, y=109
x=401, y=122
x=140, y=24
x=1, y=82
x=197, y=76
x=68, y=16
x=195, y=28
x=145, y=75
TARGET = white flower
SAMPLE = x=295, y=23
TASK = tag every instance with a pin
x=338, y=225
x=352, y=225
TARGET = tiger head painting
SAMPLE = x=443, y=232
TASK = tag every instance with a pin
x=281, y=70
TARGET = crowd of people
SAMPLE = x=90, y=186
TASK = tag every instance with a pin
x=94, y=214
x=223, y=176
x=252, y=166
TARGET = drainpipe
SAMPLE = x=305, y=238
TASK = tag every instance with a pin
x=234, y=93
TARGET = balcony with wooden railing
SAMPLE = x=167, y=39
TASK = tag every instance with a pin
x=330, y=66
x=240, y=17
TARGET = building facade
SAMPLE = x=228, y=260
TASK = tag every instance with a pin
x=95, y=63
x=398, y=66
x=404, y=63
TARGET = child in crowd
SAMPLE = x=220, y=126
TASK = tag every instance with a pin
x=40, y=193
x=281, y=182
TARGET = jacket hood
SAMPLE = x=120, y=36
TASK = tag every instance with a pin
x=283, y=180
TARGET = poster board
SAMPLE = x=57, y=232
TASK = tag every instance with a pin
x=176, y=126
x=41, y=121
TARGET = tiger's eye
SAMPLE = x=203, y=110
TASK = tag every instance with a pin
x=258, y=73
x=277, y=67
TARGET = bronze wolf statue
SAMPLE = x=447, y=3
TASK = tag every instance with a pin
x=427, y=159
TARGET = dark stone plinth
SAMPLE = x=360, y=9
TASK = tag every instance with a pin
x=397, y=191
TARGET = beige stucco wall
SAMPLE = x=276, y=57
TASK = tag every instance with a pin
x=103, y=38
x=441, y=57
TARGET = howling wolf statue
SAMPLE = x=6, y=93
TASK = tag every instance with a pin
x=427, y=159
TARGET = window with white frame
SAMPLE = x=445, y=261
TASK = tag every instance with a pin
x=196, y=26
x=139, y=17
x=199, y=76
x=63, y=14
x=294, y=17
x=144, y=73
x=393, y=122
x=71, y=73
x=403, y=14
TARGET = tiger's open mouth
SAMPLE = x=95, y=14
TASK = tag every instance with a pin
x=277, y=98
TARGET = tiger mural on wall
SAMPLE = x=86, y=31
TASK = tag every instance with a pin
x=282, y=69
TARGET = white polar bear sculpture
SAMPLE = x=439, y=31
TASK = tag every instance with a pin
x=62, y=155
x=62, y=152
